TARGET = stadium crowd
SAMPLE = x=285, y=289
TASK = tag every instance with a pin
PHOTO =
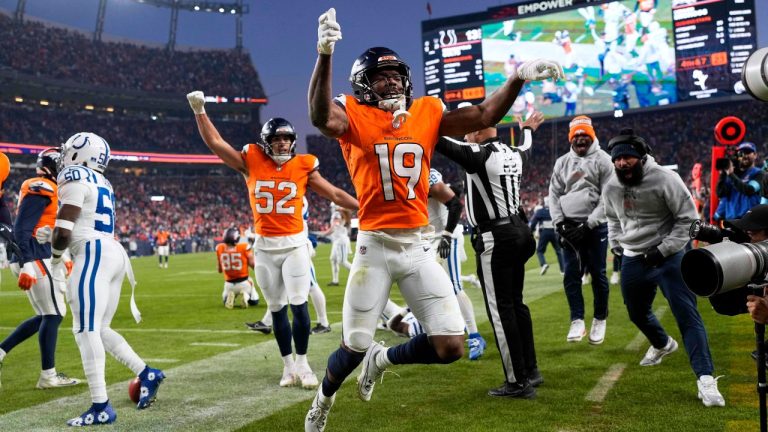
x=43, y=50
x=42, y=126
x=193, y=206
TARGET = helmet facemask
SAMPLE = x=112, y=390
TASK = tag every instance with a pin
x=278, y=127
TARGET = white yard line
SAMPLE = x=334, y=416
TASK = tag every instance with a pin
x=606, y=383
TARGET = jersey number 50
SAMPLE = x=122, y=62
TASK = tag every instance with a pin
x=405, y=163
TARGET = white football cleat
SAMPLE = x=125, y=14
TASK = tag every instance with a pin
x=229, y=303
x=56, y=381
x=289, y=378
x=306, y=377
x=370, y=371
x=615, y=278
x=317, y=415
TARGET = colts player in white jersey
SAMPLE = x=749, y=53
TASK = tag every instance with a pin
x=338, y=234
x=444, y=207
x=85, y=224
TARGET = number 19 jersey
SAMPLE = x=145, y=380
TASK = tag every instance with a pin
x=390, y=167
x=91, y=191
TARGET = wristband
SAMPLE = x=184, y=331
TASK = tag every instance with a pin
x=57, y=252
x=64, y=224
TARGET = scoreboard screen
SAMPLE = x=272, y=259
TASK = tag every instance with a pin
x=617, y=55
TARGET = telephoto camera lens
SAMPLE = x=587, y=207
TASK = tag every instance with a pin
x=723, y=267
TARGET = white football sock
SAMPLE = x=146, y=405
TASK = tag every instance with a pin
x=467, y=311
x=93, y=357
x=116, y=345
x=318, y=301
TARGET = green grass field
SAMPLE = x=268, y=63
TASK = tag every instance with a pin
x=222, y=376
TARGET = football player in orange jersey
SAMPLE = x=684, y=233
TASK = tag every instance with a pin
x=234, y=259
x=277, y=180
x=163, y=245
x=387, y=138
x=32, y=264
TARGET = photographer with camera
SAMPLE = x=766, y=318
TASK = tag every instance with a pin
x=649, y=211
x=755, y=225
x=739, y=186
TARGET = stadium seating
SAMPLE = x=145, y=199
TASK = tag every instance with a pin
x=43, y=50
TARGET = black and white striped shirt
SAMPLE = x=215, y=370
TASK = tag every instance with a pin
x=494, y=170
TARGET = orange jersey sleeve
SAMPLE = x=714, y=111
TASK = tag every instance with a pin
x=276, y=192
x=5, y=168
x=47, y=188
x=233, y=260
x=390, y=167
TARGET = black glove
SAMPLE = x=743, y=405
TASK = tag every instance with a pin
x=444, y=248
x=653, y=257
x=617, y=251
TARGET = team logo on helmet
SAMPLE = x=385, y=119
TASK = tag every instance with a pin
x=86, y=149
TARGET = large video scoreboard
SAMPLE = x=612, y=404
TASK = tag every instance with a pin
x=616, y=55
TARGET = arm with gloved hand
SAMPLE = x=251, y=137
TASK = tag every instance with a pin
x=30, y=211
x=441, y=192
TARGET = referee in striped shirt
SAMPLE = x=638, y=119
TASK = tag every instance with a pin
x=503, y=244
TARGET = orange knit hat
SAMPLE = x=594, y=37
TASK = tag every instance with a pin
x=581, y=125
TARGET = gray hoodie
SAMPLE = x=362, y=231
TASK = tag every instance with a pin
x=576, y=185
x=658, y=211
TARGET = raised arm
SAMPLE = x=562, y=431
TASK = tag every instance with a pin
x=488, y=113
x=325, y=115
x=211, y=136
x=331, y=192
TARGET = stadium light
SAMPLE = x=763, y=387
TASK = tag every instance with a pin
x=18, y=99
x=233, y=6
x=157, y=198
x=110, y=109
x=44, y=102
x=89, y=107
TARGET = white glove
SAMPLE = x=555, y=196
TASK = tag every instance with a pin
x=540, y=69
x=44, y=234
x=59, y=272
x=328, y=32
x=197, y=101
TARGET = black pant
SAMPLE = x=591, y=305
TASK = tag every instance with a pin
x=501, y=255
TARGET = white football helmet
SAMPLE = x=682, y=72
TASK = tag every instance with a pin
x=87, y=149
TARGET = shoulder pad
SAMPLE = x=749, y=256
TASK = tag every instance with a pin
x=76, y=174
x=341, y=100
x=40, y=186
